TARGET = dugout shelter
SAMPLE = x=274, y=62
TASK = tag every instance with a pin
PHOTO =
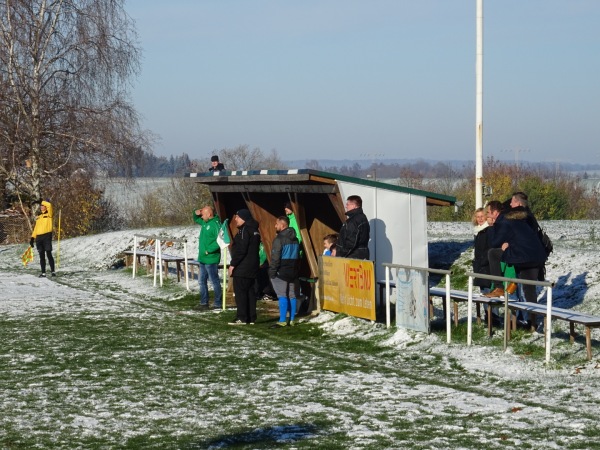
x=397, y=215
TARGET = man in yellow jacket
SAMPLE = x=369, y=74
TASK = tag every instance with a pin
x=42, y=236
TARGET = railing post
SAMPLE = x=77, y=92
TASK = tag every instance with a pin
x=387, y=296
x=469, y=311
x=155, y=259
x=134, y=254
x=548, y=323
x=185, y=265
x=448, y=324
x=160, y=266
x=506, y=320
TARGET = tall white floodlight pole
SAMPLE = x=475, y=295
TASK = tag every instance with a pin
x=479, y=109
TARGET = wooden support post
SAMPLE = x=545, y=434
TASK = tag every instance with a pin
x=588, y=342
x=456, y=314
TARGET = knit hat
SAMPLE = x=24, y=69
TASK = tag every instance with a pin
x=244, y=214
x=214, y=158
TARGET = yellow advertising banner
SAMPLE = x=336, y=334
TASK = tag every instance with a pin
x=348, y=286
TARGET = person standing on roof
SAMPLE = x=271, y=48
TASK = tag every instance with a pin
x=215, y=165
x=209, y=255
x=353, y=239
x=42, y=236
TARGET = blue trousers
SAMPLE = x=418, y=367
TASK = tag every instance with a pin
x=210, y=271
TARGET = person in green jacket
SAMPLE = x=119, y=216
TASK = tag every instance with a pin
x=293, y=223
x=209, y=255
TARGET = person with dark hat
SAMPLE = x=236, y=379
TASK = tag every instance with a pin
x=215, y=165
x=244, y=265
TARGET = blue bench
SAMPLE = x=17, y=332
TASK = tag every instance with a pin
x=463, y=296
x=573, y=317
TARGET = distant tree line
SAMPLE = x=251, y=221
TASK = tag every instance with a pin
x=553, y=194
x=146, y=164
x=242, y=157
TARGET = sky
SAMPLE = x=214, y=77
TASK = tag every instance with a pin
x=368, y=80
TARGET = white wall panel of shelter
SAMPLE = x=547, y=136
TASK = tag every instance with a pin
x=398, y=225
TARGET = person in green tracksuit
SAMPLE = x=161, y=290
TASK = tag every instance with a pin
x=209, y=255
x=293, y=223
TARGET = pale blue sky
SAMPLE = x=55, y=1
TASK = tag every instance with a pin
x=335, y=79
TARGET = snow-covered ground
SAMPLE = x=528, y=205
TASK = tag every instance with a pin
x=572, y=266
x=422, y=383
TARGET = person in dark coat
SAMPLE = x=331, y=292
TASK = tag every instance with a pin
x=215, y=165
x=520, y=200
x=481, y=262
x=494, y=213
x=520, y=246
x=283, y=269
x=353, y=239
x=244, y=266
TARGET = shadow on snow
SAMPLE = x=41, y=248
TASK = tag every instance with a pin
x=271, y=437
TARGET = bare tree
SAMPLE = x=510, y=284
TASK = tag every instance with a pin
x=242, y=158
x=65, y=66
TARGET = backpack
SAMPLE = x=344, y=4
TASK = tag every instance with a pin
x=546, y=242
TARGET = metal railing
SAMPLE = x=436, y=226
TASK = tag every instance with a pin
x=547, y=284
x=447, y=273
x=158, y=255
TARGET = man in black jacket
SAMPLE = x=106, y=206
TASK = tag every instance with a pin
x=353, y=240
x=283, y=269
x=244, y=266
x=215, y=165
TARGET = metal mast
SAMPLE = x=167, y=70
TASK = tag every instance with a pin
x=479, y=109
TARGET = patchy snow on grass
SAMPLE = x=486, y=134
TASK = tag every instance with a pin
x=181, y=376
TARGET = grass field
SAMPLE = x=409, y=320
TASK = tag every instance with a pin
x=95, y=359
x=150, y=373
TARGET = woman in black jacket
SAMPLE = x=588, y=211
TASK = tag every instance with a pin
x=481, y=262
